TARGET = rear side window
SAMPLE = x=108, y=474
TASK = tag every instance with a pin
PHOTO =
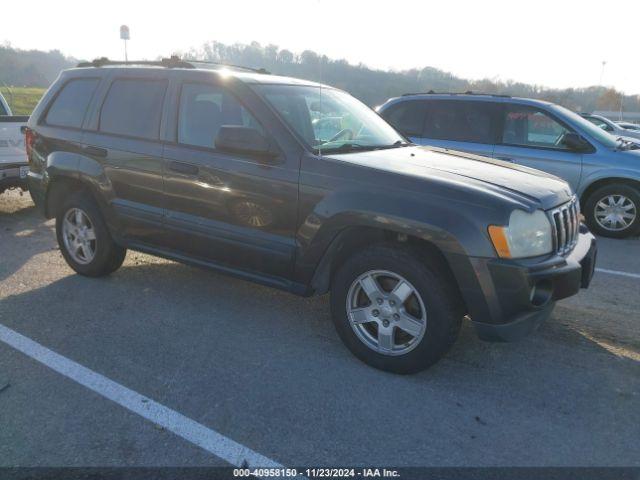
x=2, y=110
x=407, y=117
x=204, y=109
x=133, y=108
x=460, y=121
x=71, y=103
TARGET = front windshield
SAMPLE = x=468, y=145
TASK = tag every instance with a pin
x=330, y=121
x=600, y=135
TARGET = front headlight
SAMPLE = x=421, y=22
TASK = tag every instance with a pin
x=527, y=235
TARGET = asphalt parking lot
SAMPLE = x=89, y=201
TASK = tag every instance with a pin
x=266, y=370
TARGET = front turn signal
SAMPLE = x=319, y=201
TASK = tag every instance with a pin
x=499, y=239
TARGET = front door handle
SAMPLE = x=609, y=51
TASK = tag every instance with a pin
x=184, y=168
x=95, y=151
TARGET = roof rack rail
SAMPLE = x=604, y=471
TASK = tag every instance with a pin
x=468, y=92
x=171, y=62
x=229, y=65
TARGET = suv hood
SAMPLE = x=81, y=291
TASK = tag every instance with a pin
x=522, y=184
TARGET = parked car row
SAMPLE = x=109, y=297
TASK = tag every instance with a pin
x=13, y=161
x=619, y=129
x=239, y=171
x=603, y=170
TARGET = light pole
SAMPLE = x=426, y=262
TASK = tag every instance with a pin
x=604, y=62
x=124, y=35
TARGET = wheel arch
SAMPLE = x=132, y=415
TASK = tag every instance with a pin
x=603, y=181
x=68, y=173
x=355, y=238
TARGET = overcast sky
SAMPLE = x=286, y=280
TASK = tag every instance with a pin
x=559, y=43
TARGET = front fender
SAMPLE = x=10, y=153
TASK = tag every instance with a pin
x=452, y=227
x=605, y=174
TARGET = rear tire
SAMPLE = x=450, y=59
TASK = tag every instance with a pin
x=433, y=294
x=613, y=211
x=84, y=240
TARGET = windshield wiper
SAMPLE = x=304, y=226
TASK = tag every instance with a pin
x=353, y=147
x=345, y=148
x=625, y=144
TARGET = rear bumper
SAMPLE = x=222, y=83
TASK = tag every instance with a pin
x=520, y=295
x=10, y=177
x=37, y=189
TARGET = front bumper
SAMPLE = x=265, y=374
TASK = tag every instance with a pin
x=520, y=295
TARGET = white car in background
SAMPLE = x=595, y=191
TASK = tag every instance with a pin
x=629, y=126
x=13, y=158
x=613, y=128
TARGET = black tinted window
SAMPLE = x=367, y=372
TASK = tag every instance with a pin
x=133, y=107
x=407, y=117
x=204, y=109
x=460, y=121
x=71, y=104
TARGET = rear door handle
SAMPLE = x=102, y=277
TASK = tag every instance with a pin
x=184, y=168
x=95, y=151
x=506, y=159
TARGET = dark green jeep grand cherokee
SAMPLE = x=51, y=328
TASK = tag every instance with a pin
x=300, y=186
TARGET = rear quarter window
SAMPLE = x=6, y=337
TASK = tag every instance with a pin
x=70, y=105
x=133, y=107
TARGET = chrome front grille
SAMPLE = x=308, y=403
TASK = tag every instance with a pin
x=565, y=221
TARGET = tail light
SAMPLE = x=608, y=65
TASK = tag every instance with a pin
x=29, y=141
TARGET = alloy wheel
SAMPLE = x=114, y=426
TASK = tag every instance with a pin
x=79, y=236
x=386, y=312
x=615, y=212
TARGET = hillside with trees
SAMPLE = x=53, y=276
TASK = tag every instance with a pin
x=34, y=68
x=31, y=68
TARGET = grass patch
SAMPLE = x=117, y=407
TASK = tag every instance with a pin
x=22, y=100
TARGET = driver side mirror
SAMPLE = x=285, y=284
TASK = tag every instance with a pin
x=575, y=142
x=244, y=140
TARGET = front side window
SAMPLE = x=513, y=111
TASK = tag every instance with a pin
x=527, y=126
x=70, y=105
x=460, y=121
x=133, y=107
x=204, y=109
x=2, y=110
x=328, y=120
x=600, y=135
x=408, y=117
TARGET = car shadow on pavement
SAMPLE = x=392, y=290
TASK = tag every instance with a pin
x=24, y=233
x=227, y=352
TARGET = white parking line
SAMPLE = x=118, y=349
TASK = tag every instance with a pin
x=618, y=272
x=192, y=431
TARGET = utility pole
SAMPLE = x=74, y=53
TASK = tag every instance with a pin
x=124, y=35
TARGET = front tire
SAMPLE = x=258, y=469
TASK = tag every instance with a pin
x=613, y=211
x=84, y=240
x=396, y=309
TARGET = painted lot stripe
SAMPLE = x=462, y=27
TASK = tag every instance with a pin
x=618, y=272
x=190, y=430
